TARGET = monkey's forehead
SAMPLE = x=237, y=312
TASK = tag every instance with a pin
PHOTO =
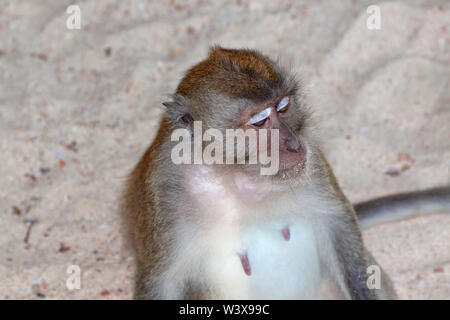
x=235, y=73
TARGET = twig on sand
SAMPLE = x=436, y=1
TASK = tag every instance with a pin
x=30, y=223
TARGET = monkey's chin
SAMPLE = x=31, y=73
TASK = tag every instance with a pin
x=292, y=172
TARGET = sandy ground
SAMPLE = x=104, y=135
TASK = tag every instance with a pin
x=79, y=107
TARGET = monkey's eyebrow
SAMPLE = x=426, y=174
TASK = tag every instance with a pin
x=283, y=103
x=260, y=116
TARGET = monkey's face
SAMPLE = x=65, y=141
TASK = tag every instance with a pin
x=242, y=89
x=283, y=115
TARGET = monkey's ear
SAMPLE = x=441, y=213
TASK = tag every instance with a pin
x=179, y=112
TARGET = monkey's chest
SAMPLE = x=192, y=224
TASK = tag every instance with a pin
x=276, y=260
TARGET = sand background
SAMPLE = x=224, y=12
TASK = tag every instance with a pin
x=79, y=107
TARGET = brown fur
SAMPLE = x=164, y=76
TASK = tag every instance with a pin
x=237, y=73
x=147, y=230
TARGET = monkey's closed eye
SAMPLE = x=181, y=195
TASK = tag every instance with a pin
x=260, y=118
x=260, y=123
x=283, y=105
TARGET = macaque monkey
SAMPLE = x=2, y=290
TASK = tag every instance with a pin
x=225, y=231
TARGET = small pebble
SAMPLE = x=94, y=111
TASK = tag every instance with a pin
x=16, y=210
x=63, y=248
x=104, y=292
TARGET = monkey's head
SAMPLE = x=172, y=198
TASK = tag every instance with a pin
x=243, y=89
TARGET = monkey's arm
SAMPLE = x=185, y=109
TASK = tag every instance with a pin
x=349, y=258
x=402, y=206
x=352, y=260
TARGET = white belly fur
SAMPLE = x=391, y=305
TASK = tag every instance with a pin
x=280, y=269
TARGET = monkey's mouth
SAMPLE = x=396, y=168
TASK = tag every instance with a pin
x=293, y=171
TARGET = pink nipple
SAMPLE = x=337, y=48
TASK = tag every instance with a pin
x=245, y=263
x=286, y=233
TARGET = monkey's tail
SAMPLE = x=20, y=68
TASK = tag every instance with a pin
x=402, y=206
